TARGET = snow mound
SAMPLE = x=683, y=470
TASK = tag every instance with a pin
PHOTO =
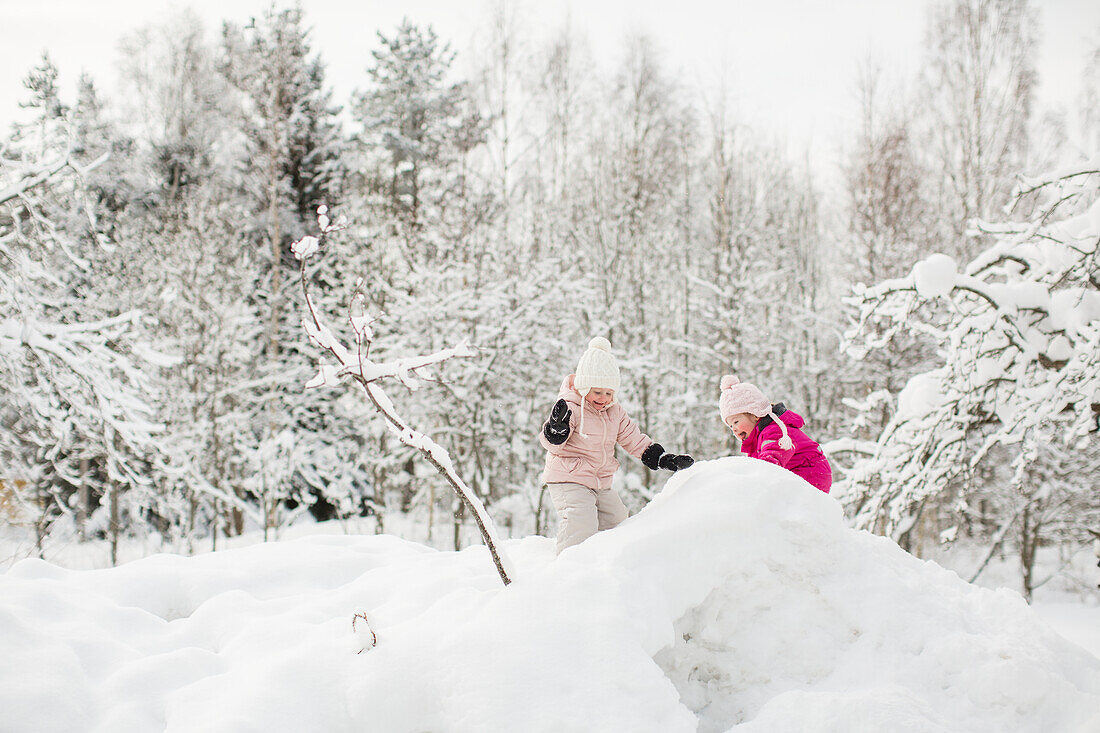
x=737, y=600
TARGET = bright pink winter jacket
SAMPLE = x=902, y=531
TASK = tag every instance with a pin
x=804, y=459
x=589, y=459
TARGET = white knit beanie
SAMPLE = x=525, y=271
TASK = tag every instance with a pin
x=597, y=368
x=739, y=397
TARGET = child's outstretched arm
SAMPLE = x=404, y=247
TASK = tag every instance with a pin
x=651, y=454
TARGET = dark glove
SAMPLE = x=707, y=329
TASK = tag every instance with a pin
x=673, y=462
x=557, y=427
x=651, y=456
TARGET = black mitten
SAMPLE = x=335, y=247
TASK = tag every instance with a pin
x=651, y=456
x=557, y=427
x=673, y=462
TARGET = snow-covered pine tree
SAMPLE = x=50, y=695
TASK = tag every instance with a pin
x=290, y=122
x=294, y=149
x=190, y=262
x=425, y=214
x=410, y=114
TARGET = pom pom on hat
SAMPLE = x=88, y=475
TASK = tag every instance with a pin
x=599, y=342
x=729, y=380
x=597, y=368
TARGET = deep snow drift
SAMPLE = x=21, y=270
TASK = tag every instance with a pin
x=738, y=599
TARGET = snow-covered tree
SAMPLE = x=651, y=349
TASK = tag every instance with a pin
x=78, y=423
x=1018, y=379
x=411, y=114
x=632, y=243
x=290, y=124
x=294, y=160
x=763, y=301
x=886, y=185
x=175, y=106
x=889, y=227
x=427, y=215
x=565, y=102
x=978, y=100
x=1089, y=101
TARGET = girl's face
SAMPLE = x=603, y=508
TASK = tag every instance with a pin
x=742, y=424
x=599, y=397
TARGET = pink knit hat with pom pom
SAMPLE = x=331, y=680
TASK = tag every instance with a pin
x=739, y=397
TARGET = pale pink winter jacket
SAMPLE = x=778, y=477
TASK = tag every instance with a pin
x=589, y=459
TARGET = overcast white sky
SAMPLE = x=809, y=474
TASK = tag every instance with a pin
x=790, y=64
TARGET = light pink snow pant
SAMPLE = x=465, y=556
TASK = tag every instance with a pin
x=583, y=511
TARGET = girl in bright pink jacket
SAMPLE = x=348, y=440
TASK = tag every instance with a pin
x=585, y=425
x=772, y=432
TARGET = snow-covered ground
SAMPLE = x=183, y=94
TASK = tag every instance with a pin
x=737, y=600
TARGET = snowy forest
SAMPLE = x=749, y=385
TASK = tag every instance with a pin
x=931, y=305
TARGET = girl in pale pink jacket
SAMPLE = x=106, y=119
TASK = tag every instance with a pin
x=580, y=436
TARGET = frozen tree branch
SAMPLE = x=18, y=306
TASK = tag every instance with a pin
x=32, y=179
x=356, y=364
x=35, y=178
x=1019, y=333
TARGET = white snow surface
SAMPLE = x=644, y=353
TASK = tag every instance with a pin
x=738, y=599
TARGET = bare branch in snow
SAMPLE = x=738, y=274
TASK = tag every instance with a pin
x=355, y=364
x=373, y=636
